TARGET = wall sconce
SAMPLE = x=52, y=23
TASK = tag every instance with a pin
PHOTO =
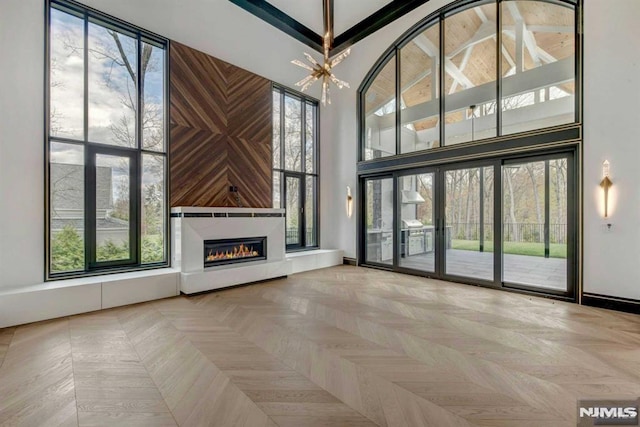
x=349, y=202
x=605, y=184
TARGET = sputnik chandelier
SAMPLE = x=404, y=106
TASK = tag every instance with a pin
x=323, y=71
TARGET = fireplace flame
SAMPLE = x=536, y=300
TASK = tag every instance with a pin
x=241, y=251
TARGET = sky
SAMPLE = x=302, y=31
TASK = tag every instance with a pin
x=109, y=84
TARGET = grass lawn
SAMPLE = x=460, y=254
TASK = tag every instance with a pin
x=517, y=248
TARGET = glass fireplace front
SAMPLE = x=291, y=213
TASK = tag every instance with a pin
x=231, y=251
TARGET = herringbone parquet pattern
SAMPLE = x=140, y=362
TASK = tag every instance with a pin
x=343, y=346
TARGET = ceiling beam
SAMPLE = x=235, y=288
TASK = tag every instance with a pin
x=430, y=49
x=404, y=89
x=463, y=65
x=560, y=29
x=554, y=74
x=547, y=112
x=543, y=54
x=481, y=14
x=374, y=22
x=529, y=39
x=485, y=32
x=507, y=56
x=274, y=16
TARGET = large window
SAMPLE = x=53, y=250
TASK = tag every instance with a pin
x=295, y=166
x=486, y=69
x=106, y=145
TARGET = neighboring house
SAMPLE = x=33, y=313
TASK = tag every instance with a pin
x=67, y=203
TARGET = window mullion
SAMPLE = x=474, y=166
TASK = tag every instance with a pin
x=303, y=168
x=441, y=81
x=283, y=198
x=303, y=136
x=139, y=95
x=89, y=166
x=90, y=208
x=136, y=178
x=499, y=68
x=86, y=77
x=282, y=137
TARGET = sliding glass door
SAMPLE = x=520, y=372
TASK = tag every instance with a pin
x=417, y=222
x=536, y=223
x=468, y=215
x=379, y=228
x=505, y=223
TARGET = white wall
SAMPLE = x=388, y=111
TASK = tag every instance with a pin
x=21, y=142
x=612, y=132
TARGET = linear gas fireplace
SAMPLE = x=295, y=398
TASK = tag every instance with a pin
x=231, y=251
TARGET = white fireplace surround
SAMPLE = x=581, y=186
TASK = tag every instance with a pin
x=193, y=225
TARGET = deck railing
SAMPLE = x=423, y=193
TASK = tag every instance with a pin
x=511, y=232
x=293, y=236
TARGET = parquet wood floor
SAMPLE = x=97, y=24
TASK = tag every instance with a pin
x=343, y=346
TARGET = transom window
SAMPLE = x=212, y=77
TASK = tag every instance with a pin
x=106, y=144
x=295, y=165
x=487, y=69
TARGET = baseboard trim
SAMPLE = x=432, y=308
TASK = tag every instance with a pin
x=349, y=261
x=626, y=305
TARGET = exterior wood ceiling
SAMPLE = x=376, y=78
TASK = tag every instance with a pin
x=470, y=53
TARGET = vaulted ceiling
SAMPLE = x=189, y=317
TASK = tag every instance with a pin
x=352, y=20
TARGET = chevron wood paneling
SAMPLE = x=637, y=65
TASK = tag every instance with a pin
x=344, y=346
x=250, y=106
x=250, y=169
x=220, y=132
x=199, y=167
x=198, y=84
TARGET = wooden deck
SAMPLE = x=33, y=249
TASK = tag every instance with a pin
x=545, y=273
x=344, y=346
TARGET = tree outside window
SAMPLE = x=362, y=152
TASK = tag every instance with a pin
x=106, y=145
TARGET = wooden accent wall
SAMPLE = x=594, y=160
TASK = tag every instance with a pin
x=221, y=130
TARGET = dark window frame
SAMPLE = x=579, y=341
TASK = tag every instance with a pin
x=281, y=171
x=392, y=53
x=92, y=267
x=543, y=142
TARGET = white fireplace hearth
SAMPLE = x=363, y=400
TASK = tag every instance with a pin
x=192, y=226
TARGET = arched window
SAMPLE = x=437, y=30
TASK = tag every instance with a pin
x=485, y=69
